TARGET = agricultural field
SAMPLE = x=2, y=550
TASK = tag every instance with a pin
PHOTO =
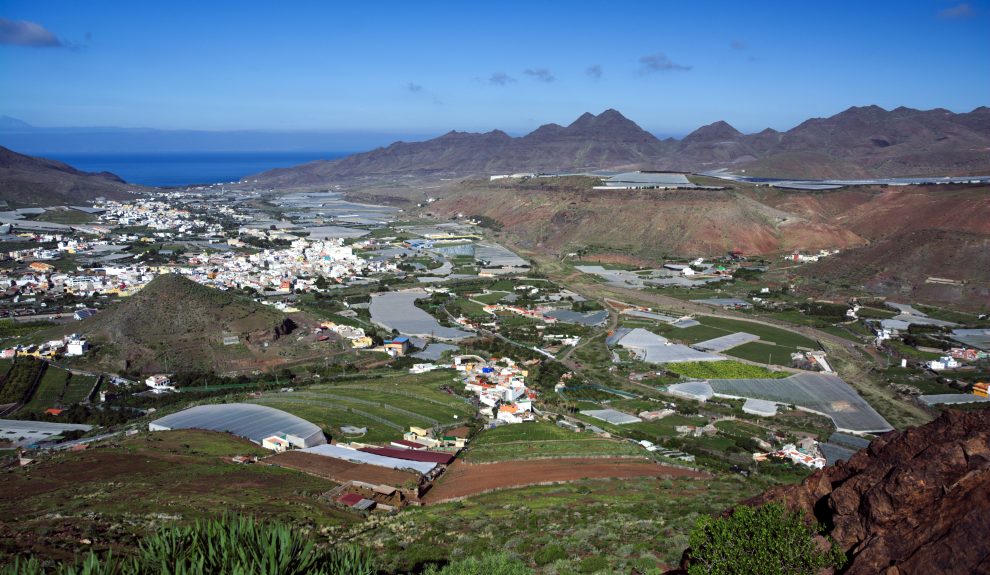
x=586, y=526
x=78, y=388
x=492, y=297
x=763, y=353
x=541, y=439
x=721, y=370
x=18, y=381
x=10, y=329
x=130, y=486
x=50, y=390
x=468, y=308
x=387, y=406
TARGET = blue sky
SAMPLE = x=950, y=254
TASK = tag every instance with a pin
x=427, y=67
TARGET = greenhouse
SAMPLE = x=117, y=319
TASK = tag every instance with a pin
x=254, y=422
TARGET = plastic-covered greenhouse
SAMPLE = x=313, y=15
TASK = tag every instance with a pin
x=254, y=422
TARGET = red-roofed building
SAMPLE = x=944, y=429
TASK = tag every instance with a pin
x=349, y=499
x=411, y=454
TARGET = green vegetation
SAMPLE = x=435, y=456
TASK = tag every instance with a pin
x=632, y=525
x=488, y=564
x=49, y=390
x=65, y=216
x=230, y=544
x=721, y=370
x=16, y=385
x=11, y=329
x=537, y=431
x=586, y=447
x=387, y=406
x=78, y=388
x=763, y=353
x=491, y=297
x=769, y=540
x=541, y=439
x=131, y=484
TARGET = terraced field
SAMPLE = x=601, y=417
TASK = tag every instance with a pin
x=543, y=440
x=387, y=407
x=78, y=388
x=50, y=388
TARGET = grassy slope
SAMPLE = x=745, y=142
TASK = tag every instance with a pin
x=331, y=406
x=107, y=494
x=534, y=440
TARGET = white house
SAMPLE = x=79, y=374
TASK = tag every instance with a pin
x=159, y=383
x=275, y=443
x=77, y=347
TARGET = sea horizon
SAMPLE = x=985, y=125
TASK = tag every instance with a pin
x=188, y=168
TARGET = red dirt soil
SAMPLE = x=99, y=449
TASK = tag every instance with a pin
x=339, y=470
x=464, y=479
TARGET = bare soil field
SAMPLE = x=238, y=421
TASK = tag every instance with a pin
x=339, y=470
x=465, y=479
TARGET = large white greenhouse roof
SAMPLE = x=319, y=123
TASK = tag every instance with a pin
x=254, y=422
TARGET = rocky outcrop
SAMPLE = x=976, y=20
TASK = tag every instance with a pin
x=914, y=502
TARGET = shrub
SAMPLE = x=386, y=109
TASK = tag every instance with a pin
x=231, y=544
x=488, y=564
x=593, y=564
x=769, y=540
x=549, y=554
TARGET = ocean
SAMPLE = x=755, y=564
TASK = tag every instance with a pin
x=180, y=169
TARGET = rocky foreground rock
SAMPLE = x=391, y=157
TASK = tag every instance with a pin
x=914, y=502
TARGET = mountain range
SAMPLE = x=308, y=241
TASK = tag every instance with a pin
x=859, y=142
x=29, y=181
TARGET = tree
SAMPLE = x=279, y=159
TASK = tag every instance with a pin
x=767, y=540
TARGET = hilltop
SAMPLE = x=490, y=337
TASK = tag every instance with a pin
x=910, y=503
x=858, y=142
x=176, y=324
x=30, y=181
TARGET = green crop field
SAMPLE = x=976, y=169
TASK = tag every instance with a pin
x=722, y=369
x=49, y=390
x=767, y=333
x=78, y=388
x=589, y=447
x=386, y=406
x=492, y=297
x=542, y=439
x=536, y=431
x=763, y=353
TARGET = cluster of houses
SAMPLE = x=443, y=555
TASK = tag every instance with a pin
x=538, y=313
x=354, y=335
x=69, y=346
x=296, y=268
x=807, y=258
x=500, y=385
x=156, y=215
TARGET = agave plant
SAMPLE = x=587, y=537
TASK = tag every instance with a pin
x=230, y=545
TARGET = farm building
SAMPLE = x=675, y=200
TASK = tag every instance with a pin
x=356, y=456
x=254, y=422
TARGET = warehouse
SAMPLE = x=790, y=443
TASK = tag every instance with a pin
x=253, y=422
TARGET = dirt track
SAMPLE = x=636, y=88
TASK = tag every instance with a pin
x=464, y=479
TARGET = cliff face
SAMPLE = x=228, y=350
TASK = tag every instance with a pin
x=916, y=501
